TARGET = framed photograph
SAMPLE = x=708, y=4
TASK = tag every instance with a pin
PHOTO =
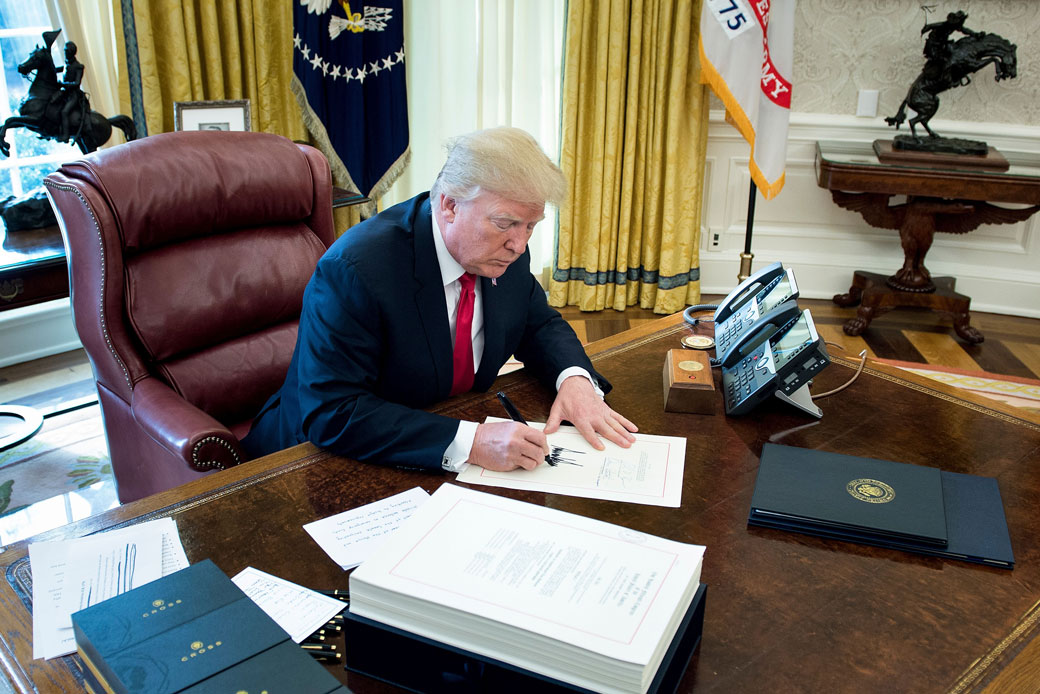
x=211, y=115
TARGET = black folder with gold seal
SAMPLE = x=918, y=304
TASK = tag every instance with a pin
x=881, y=502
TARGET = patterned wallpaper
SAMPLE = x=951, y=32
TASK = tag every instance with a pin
x=842, y=46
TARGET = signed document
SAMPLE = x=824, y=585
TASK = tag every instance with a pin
x=650, y=472
x=573, y=598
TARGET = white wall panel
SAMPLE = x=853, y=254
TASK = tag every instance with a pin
x=998, y=266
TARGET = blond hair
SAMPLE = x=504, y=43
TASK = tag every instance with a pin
x=504, y=161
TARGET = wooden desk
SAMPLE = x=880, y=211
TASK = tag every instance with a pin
x=785, y=612
x=954, y=200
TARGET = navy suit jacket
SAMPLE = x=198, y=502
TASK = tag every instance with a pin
x=374, y=348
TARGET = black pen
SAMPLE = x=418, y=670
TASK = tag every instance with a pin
x=515, y=415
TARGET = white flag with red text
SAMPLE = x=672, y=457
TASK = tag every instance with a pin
x=746, y=51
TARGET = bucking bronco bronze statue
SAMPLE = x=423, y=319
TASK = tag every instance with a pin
x=950, y=64
x=58, y=109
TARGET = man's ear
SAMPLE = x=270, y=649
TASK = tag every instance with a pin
x=448, y=206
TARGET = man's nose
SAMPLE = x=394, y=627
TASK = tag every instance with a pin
x=517, y=241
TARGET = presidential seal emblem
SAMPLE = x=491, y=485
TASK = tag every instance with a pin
x=698, y=342
x=870, y=491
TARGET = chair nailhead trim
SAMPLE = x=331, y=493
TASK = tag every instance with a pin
x=212, y=463
x=104, y=273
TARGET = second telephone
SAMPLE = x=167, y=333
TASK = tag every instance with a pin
x=778, y=356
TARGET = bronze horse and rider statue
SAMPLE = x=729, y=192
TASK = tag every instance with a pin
x=57, y=109
x=950, y=64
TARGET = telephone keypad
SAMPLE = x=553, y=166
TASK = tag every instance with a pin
x=739, y=382
x=734, y=327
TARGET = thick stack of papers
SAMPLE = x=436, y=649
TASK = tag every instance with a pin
x=575, y=599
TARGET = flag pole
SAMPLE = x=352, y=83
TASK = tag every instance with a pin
x=747, y=256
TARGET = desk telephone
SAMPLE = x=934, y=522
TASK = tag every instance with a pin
x=764, y=344
x=778, y=355
x=756, y=296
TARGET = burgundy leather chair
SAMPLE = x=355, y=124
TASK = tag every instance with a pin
x=188, y=256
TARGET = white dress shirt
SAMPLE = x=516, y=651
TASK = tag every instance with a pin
x=457, y=453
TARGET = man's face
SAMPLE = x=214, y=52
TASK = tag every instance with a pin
x=488, y=233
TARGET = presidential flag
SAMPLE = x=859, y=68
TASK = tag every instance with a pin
x=746, y=51
x=348, y=63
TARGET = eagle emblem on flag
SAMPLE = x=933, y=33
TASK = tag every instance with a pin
x=373, y=19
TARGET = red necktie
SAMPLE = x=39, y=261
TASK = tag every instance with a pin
x=462, y=360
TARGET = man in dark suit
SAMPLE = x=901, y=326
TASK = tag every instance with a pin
x=377, y=339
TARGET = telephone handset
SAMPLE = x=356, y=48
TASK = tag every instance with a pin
x=775, y=361
x=763, y=328
x=746, y=290
x=749, y=303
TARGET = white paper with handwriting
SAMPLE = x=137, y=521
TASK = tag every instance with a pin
x=71, y=574
x=350, y=537
x=300, y=611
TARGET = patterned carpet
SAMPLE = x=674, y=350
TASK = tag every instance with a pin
x=1011, y=390
x=68, y=455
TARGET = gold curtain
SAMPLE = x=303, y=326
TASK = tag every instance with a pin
x=200, y=50
x=635, y=123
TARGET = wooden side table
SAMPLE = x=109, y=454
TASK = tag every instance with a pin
x=32, y=267
x=939, y=198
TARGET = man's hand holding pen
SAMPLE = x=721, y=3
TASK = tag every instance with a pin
x=508, y=446
x=512, y=445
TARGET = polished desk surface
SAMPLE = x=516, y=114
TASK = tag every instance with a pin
x=785, y=612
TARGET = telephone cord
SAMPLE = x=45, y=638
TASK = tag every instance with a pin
x=846, y=384
x=690, y=310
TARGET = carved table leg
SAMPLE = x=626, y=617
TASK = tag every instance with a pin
x=966, y=331
x=850, y=299
x=868, y=290
x=855, y=326
x=915, y=235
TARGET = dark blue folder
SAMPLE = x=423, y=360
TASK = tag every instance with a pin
x=811, y=492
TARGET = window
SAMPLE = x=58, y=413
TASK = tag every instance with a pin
x=21, y=27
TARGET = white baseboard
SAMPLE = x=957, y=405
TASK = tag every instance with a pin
x=34, y=332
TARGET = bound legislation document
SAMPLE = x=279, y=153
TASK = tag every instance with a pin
x=880, y=502
x=578, y=600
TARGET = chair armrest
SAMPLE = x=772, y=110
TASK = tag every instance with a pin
x=183, y=429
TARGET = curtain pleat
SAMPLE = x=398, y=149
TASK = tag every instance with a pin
x=88, y=24
x=199, y=50
x=634, y=134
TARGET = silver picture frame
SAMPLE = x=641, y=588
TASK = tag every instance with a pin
x=211, y=115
